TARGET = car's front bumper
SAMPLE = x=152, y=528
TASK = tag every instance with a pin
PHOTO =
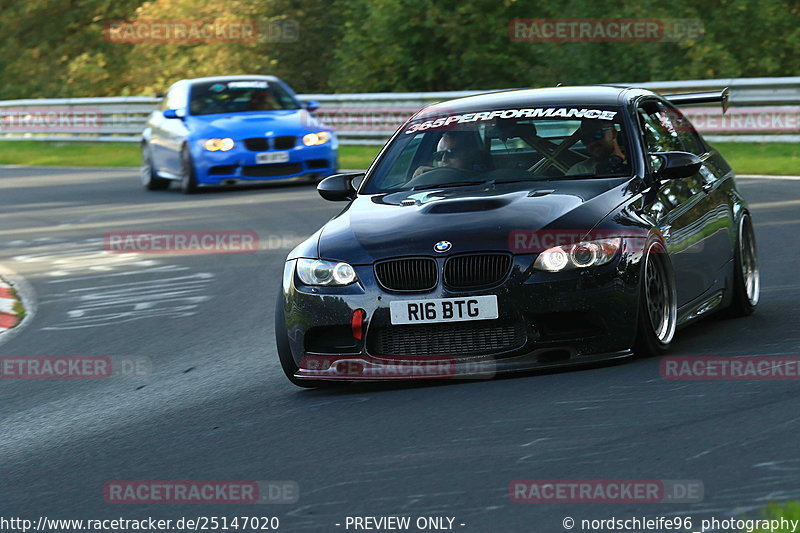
x=240, y=166
x=560, y=319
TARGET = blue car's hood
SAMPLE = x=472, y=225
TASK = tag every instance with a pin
x=253, y=124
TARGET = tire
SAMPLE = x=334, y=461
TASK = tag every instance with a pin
x=658, y=310
x=746, y=276
x=285, y=353
x=147, y=173
x=188, y=175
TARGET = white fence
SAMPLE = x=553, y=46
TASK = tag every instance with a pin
x=762, y=109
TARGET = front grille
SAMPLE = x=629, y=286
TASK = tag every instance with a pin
x=407, y=275
x=276, y=169
x=284, y=142
x=479, y=270
x=257, y=144
x=262, y=144
x=445, y=339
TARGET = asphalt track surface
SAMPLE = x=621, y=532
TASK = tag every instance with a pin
x=215, y=405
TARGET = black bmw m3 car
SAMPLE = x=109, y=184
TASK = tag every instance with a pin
x=519, y=230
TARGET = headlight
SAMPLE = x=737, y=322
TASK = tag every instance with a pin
x=581, y=255
x=319, y=272
x=218, y=145
x=314, y=139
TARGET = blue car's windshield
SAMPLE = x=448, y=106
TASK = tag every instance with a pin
x=239, y=96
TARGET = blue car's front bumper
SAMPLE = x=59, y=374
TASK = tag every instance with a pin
x=241, y=165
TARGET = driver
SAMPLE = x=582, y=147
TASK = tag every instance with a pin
x=261, y=100
x=605, y=155
x=456, y=149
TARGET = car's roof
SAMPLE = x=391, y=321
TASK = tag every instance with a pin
x=580, y=96
x=211, y=79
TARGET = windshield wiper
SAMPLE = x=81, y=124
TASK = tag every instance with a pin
x=587, y=175
x=518, y=180
x=450, y=184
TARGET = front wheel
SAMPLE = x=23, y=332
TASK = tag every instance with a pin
x=147, y=173
x=746, y=277
x=658, y=309
x=188, y=175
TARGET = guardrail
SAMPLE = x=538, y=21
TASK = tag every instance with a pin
x=761, y=109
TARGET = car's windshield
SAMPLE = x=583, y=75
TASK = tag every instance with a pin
x=239, y=96
x=556, y=142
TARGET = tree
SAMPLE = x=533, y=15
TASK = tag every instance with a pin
x=56, y=48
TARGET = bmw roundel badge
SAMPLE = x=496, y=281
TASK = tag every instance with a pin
x=442, y=246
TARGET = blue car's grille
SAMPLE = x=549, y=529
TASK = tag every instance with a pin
x=262, y=144
x=257, y=144
x=284, y=142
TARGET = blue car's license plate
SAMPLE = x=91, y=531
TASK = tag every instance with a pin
x=272, y=157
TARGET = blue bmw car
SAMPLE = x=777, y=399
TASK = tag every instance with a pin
x=232, y=130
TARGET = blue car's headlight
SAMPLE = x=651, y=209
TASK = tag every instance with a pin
x=315, y=139
x=319, y=272
x=218, y=145
x=581, y=255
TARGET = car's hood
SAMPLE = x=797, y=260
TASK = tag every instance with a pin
x=477, y=218
x=253, y=124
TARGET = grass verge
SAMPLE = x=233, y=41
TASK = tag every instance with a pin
x=746, y=158
x=63, y=154
x=787, y=511
x=19, y=309
x=762, y=158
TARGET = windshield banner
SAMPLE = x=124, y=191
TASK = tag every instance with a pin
x=539, y=112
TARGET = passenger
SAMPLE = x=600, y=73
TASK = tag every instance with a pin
x=602, y=143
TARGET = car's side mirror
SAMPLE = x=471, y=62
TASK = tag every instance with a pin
x=675, y=165
x=338, y=187
x=311, y=105
x=174, y=113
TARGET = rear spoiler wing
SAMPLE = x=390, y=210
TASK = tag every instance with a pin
x=701, y=98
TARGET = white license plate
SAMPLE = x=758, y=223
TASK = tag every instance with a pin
x=272, y=157
x=443, y=310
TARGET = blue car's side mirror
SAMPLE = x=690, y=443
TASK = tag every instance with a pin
x=311, y=105
x=173, y=113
